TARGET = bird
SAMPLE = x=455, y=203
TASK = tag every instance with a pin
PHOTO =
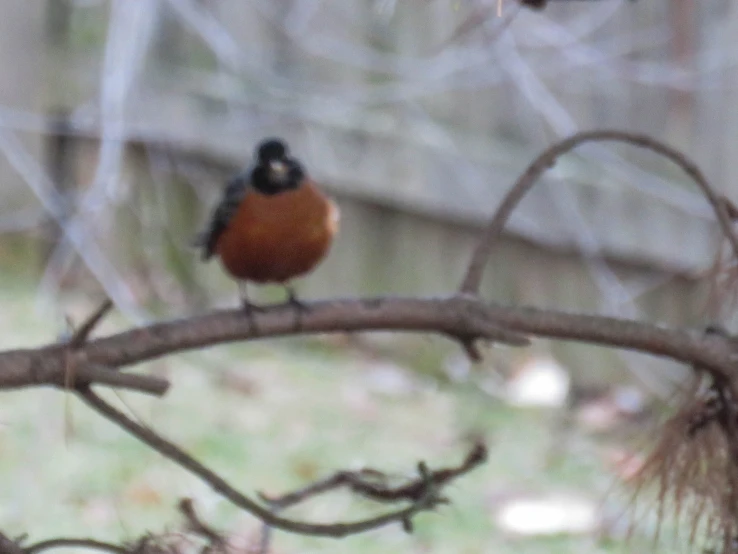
x=272, y=224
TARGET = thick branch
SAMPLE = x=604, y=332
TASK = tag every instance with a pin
x=548, y=158
x=457, y=317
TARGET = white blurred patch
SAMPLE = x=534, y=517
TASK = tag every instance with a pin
x=334, y=217
x=549, y=515
x=389, y=379
x=540, y=381
x=629, y=399
x=610, y=409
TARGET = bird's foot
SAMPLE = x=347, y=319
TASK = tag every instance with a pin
x=298, y=304
x=251, y=310
x=300, y=307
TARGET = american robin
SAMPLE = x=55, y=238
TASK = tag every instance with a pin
x=273, y=223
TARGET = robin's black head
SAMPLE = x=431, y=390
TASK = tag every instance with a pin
x=271, y=149
x=275, y=171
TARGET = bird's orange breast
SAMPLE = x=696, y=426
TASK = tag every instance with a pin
x=276, y=238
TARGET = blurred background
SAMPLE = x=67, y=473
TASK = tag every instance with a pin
x=120, y=122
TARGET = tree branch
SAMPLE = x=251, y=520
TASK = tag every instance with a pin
x=370, y=483
x=547, y=159
x=456, y=317
x=168, y=449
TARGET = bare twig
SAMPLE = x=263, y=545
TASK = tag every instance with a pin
x=547, y=159
x=181, y=458
x=369, y=483
x=197, y=525
x=74, y=543
x=83, y=332
x=100, y=375
x=78, y=372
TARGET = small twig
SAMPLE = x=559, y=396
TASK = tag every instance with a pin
x=335, y=481
x=357, y=482
x=364, y=482
x=181, y=458
x=197, y=525
x=89, y=374
x=82, y=333
x=471, y=349
x=71, y=359
x=547, y=159
x=74, y=543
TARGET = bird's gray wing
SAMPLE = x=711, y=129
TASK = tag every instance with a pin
x=235, y=191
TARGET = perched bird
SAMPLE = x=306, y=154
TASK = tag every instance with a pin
x=273, y=223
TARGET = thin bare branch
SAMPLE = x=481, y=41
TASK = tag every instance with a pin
x=80, y=372
x=83, y=332
x=197, y=525
x=181, y=458
x=547, y=159
x=74, y=543
x=370, y=483
x=88, y=374
x=456, y=316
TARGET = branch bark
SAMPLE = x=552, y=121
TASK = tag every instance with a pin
x=458, y=317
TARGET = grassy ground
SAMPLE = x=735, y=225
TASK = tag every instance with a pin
x=271, y=417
